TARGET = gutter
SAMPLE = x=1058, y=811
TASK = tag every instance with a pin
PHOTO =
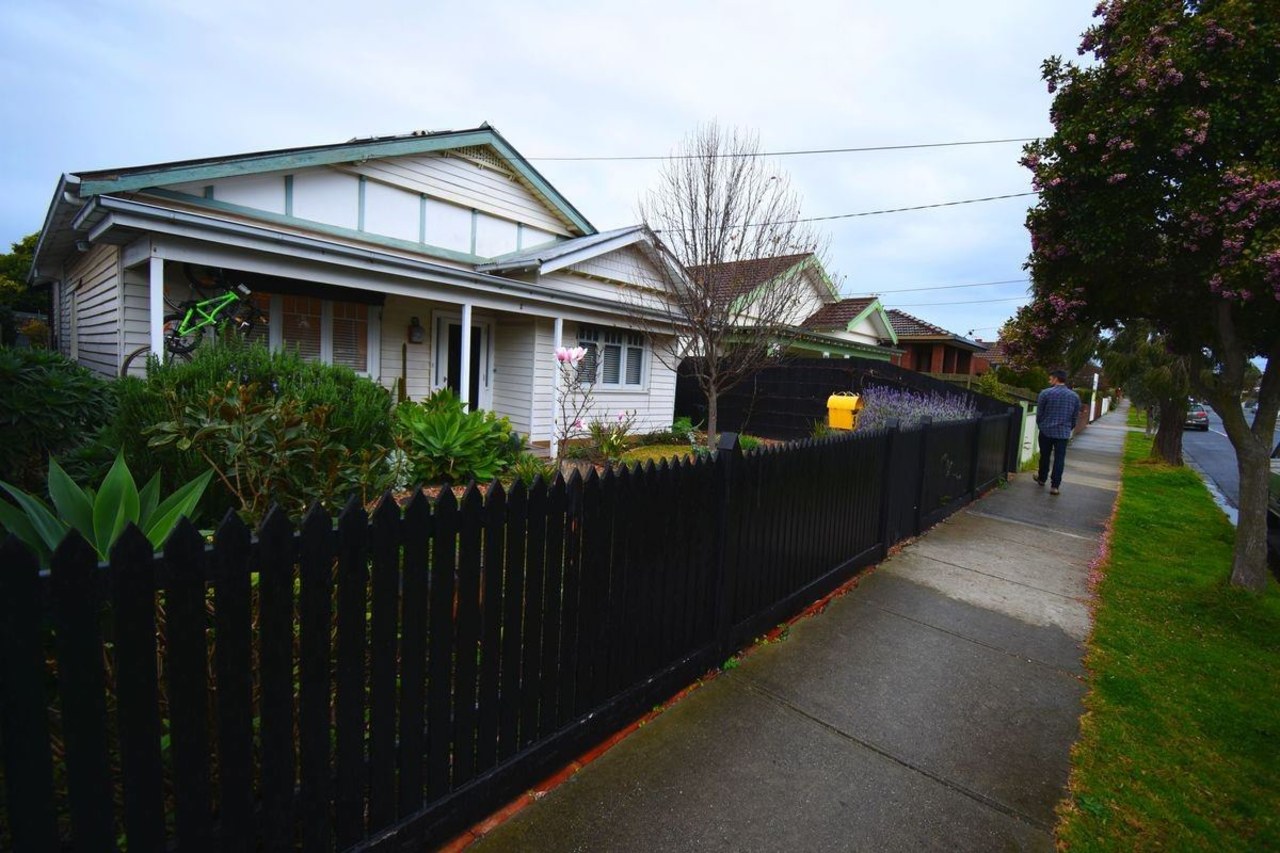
x=116, y=211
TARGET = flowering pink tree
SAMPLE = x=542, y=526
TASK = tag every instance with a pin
x=573, y=399
x=1160, y=203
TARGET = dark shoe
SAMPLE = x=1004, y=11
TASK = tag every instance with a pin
x=1036, y=478
x=1053, y=490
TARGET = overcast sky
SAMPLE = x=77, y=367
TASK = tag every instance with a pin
x=103, y=83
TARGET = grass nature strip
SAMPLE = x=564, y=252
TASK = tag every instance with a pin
x=1180, y=743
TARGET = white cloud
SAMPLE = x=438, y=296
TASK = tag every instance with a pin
x=129, y=82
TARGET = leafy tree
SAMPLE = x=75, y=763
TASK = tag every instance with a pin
x=15, y=295
x=1160, y=202
x=720, y=209
x=1155, y=378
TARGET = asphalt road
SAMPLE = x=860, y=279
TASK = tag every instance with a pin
x=1212, y=451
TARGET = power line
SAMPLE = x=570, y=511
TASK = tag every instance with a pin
x=953, y=286
x=897, y=209
x=795, y=153
x=868, y=212
x=966, y=302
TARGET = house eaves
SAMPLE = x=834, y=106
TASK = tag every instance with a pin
x=106, y=214
x=110, y=181
x=566, y=253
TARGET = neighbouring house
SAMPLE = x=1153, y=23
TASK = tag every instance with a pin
x=992, y=356
x=927, y=348
x=431, y=260
x=818, y=322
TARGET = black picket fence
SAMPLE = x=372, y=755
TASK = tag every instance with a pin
x=381, y=683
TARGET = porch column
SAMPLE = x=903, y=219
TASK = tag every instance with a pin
x=464, y=369
x=156, y=291
x=557, y=336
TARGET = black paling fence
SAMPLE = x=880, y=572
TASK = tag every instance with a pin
x=382, y=682
x=784, y=400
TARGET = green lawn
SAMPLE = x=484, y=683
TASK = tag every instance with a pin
x=656, y=452
x=1180, y=745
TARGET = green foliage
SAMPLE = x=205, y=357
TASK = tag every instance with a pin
x=990, y=385
x=609, y=437
x=335, y=426
x=1032, y=379
x=99, y=517
x=48, y=404
x=528, y=468
x=683, y=426
x=1177, y=748
x=447, y=444
x=15, y=295
x=270, y=449
x=748, y=442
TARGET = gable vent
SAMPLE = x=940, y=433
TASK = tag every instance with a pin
x=482, y=156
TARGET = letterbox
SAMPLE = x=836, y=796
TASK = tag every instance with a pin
x=842, y=410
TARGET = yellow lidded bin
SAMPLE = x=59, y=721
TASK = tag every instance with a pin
x=842, y=410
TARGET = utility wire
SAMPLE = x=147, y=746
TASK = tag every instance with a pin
x=953, y=286
x=796, y=153
x=967, y=302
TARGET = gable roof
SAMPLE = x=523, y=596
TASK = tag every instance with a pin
x=734, y=279
x=995, y=354
x=103, y=181
x=908, y=328
x=838, y=315
x=550, y=257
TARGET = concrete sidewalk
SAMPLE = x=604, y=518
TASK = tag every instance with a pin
x=933, y=707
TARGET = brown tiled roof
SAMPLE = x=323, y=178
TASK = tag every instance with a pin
x=904, y=325
x=730, y=280
x=907, y=327
x=995, y=353
x=837, y=315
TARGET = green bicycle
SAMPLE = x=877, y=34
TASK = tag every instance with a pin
x=185, y=326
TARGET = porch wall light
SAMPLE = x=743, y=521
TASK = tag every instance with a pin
x=417, y=334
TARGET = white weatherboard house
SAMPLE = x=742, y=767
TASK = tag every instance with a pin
x=441, y=258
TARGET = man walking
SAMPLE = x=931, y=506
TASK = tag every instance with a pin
x=1057, y=408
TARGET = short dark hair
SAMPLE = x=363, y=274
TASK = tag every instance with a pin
x=1059, y=374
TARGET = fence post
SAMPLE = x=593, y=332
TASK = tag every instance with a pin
x=728, y=455
x=887, y=481
x=1013, y=441
x=974, y=457
x=926, y=427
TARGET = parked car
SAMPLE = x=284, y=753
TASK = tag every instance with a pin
x=1197, y=418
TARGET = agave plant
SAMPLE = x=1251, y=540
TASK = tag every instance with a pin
x=101, y=516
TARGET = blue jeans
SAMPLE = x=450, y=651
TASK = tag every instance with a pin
x=1056, y=448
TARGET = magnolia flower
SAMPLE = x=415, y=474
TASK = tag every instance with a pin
x=566, y=355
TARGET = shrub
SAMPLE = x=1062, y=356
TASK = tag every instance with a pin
x=748, y=442
x=269, y=449
x=609, y=437
x=341, y=427
x=48, y=404
x=528, y=468
x=447, y=444
x=880, y=404
x=990, y=385
x=100, y=517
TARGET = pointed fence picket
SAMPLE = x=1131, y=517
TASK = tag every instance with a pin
x=381, y=681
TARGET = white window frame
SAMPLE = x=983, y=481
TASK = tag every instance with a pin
x=597, y=338
x=276, y=341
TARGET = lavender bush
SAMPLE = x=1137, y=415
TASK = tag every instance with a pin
x=880, y=403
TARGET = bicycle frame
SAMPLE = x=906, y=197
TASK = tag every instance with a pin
x=205, y=312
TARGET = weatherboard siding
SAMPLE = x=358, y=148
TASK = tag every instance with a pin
x=489, y=189
x=627, y=265
x=514, y=360
x=93, y=283
x=399, y=357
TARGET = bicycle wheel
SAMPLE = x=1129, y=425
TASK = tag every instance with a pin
x=244, y=318
x=176, y=342
x=141, y=353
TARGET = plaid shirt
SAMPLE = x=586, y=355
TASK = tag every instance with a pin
x=1057, y=408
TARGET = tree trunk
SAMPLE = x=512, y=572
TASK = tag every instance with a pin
x=1168, y=444
x=1249, y=563
x=712, y=416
